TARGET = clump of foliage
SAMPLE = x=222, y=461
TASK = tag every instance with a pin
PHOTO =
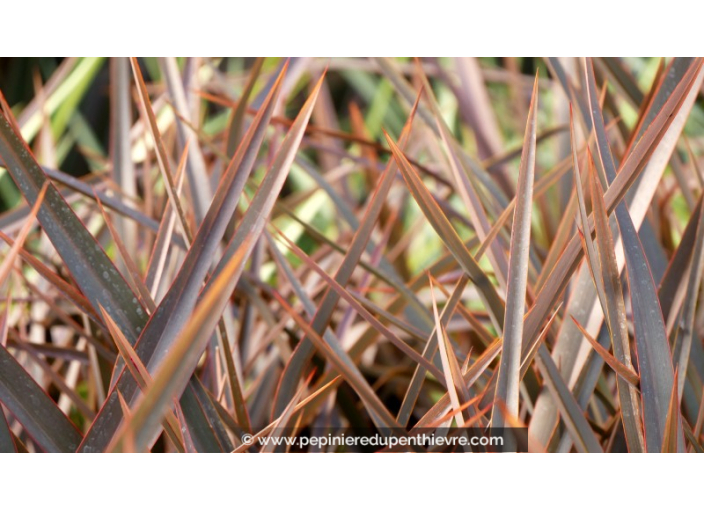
x=195, y=250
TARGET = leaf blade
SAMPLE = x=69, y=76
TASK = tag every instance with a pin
x=447, y=233
x=654, y=357
x=34, y=409
x=507, y=386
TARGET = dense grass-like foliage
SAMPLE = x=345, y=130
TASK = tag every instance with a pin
x=197, y=251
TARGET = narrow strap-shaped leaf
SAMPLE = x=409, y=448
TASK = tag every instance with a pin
x=654, y=357
x=127, y=413
x=685, y=330
x=559, y=277
x=38, y=414
x=9, y=259
x=347, y=296
x=615, y=314
x=173, y=375
x=508, y=382
x=304, y=350
x=431, y=346
x=162, y=157
x=285, y=417
x=164, y=235
x=565, y=229
x=456, y=388
x=187, y=436
x=449, y=236
x=236, y=127
x=7, y=444
x=672, y=424
x=121, y=144
x=530, y=355
x=207, y=425
x=678, y=96
x=468, y=190
x=174, y=310
x=141, y=375
x=592, y=258
x=627, y=373
x=677, y=268
x=605, y=274
x=573, y=415
x=196, y=172
x=349, y=371
x=185, y=350
x=559, y=71
x=93, y=271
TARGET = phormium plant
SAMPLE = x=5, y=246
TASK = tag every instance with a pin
x=217, y=255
